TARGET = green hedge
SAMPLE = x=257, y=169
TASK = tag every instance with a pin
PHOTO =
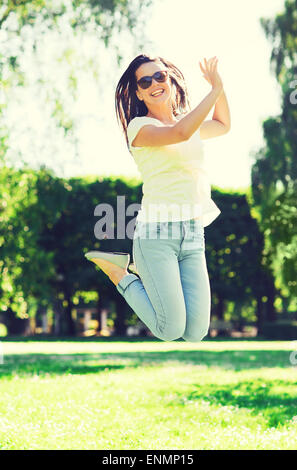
x=285, y=330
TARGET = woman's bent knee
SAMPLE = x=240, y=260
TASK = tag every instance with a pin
x=172, y=334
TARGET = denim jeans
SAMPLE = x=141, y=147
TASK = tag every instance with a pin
x=172, y=295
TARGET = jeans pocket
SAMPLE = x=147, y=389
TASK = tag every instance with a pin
x=194, y=236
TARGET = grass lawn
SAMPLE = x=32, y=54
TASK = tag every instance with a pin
x=116, y=394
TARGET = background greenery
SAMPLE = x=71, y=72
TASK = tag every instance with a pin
x=60, y=391
x=47, y=222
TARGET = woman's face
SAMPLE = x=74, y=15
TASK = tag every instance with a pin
x=161, y=101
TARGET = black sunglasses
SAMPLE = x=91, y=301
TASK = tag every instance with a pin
x=145, y=82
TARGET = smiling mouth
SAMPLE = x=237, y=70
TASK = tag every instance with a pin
x=158, y=94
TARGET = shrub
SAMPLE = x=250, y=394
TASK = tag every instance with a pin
x=281, y=330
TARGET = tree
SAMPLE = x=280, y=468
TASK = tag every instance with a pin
x=20, y=256
x=274, y=173
x=27, y=28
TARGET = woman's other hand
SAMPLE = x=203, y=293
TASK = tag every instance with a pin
x=211, y=74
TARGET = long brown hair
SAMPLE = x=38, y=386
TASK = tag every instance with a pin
x=127, y=104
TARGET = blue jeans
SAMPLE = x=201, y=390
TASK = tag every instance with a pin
x=172, y=296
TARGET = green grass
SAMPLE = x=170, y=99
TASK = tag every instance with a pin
x=148, y=395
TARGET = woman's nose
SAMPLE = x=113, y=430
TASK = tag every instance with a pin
x=153, y=79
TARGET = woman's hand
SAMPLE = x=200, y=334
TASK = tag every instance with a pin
x=210, y=73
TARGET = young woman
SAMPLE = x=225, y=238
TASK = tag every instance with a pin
x=172, y=293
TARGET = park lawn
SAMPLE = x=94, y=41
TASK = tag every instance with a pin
x=108, y=394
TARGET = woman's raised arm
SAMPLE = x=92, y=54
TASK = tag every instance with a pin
x=155, y=136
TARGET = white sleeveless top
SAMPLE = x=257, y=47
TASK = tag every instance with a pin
x=175, y=183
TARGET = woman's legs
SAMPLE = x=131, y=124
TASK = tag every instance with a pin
x=173, y=295
x=157, y=298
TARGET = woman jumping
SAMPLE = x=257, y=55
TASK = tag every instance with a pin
x=171, y=294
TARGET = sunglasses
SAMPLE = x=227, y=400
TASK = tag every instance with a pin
x=145, y=82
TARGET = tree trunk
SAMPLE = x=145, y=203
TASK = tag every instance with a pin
x=259, y=314
x=103, y=306
x=120, y=327
x=220, y=308
x=69, y=322
x=285, y=304
x=271, y=292
x=58, y=315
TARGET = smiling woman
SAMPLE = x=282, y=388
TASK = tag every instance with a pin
x=172, y=293
x=151, y=97
x=144, y=76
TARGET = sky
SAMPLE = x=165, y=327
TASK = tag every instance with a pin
x=184, y=33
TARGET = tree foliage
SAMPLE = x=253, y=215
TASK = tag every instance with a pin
x=274, y=173
x=27, y=28
x=48, y=223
